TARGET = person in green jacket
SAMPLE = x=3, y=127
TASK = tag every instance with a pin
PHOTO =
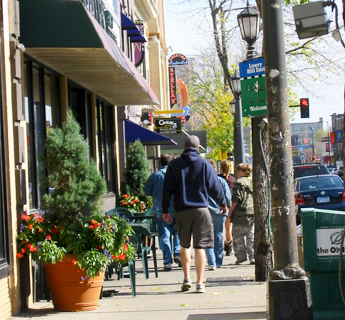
x=241, y=214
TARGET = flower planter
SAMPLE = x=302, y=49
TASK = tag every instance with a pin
x=68, y=289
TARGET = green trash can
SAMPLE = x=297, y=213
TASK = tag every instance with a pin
x=322, y=230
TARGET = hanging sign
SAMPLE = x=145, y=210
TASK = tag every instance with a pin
x=139, y=48
x=253, y=87
x=178, y=59
x=172, y=86
x=168, y=125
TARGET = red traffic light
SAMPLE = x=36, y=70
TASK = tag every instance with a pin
x=304, y=102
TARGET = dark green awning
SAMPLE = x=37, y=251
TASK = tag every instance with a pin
x=63, y=35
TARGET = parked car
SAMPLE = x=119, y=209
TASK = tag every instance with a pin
x=330, y=168
x=309, y=169
x=340, y=172
x=319, y=191
x=333, y=171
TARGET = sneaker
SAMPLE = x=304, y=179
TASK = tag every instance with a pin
x=177, y=260
x=167, y=266
x=187, y=283
x=238, y=261
x=200, y=288
x=212, y=268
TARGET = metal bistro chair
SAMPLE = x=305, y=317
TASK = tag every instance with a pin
x=142, y=232
x=131, y=264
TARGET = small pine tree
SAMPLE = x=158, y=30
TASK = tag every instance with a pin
x=77, y=186
x=136, y=171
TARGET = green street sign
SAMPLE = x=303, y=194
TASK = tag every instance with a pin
x=253, y=92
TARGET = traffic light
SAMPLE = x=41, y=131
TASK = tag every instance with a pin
x=304, y=106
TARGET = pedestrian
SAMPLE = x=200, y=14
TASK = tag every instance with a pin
x=215, y=255
x=225, y=173
x=241, y=214
x=191, y=179
x=154, y=188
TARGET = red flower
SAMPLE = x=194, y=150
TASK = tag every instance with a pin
x=113, y=257
x=29, y=245
x=30, y=226
x=35, y=215
x=124, y=202
x=48, y=237
x=19, y=255
x=33, y=249
x=82, y=269
x=40, y=219
x=136, y=200
x=101, y=247
x=26, y=217
x=93, y=221
x=40, y=230
x=125, y=196
x=108, y=217
x=74, y=261
x=125, y=247
x=99, y=224
x=131, y=202
x=92, y=226
x=22, y=250
x=54, y=230
x=122, y=256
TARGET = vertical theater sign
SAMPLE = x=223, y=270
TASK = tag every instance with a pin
x=179, y=97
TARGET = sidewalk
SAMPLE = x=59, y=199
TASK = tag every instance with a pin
x=231, y=293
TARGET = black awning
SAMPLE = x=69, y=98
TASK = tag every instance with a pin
x=134, y=132
x=63, y=35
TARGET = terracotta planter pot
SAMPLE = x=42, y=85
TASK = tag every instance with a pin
x=69, y=292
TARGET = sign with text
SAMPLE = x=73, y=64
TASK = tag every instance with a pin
x=172, y=86
x=178, y=59
x=328, y=243
x=168, y=125
x=252, y=68
x=253, y=93
x=253, y=87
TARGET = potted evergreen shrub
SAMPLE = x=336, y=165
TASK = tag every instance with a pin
x=71, y=236
x=136, y=174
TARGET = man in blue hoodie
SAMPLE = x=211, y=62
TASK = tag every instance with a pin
x=192, y=179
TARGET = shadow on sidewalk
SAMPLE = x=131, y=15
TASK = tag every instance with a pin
x=228, y=316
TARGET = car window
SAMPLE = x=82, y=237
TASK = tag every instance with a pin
x=303, y=171
x=318, y=183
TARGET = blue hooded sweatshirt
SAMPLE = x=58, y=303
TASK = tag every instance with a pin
x=191, y=179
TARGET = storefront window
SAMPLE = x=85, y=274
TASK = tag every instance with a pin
x=41, y=109
x=105, y=135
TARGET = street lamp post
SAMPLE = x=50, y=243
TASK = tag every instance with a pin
x=312, y=141
x=249, y=21
x=287, y=279
x=238, y=123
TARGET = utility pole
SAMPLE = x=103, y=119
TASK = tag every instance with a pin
x=288, y=287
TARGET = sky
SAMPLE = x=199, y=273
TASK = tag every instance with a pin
x=183, y=39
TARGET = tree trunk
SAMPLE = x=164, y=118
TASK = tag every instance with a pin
x=262, y=239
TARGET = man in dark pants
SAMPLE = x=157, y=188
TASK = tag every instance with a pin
x=192, y=179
